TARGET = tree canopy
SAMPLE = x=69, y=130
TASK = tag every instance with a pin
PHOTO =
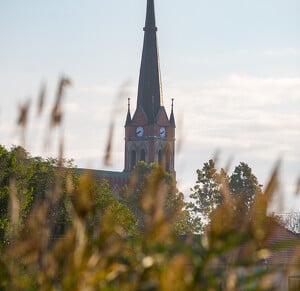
x=213, y=186
x=151, y=188
x=244, y=187
x=27, y=181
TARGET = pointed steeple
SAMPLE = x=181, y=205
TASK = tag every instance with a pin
x=150, y=133
x=128, y=118
x=149, y=90
x=172, y=118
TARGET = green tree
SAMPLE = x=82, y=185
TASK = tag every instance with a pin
x=150, y=186
x=31, y=181
x=212, y=186
x=206, y=194
x=16, y=172
x=244, y=187
x=26, y=181
x=96, y=202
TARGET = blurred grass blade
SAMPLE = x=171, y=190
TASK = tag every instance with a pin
x=108, y=149
x=56, y=113
x=273, y=183
x=180, y=139
x=297, y=192
x=23, y=114
x=41, y=99
x=22, y=120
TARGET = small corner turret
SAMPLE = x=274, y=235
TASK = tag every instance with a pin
x=128, y=118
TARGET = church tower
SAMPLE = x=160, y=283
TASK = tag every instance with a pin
x=150, y=133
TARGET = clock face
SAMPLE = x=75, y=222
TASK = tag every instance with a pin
x=139, y=131
x=162, y=132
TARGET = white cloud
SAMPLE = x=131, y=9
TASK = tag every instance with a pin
x=73, y=107
x=281, y=52
x=99, y=89
x=107, y=89
x=6, y=128
x=253, y=119
x=201, y=61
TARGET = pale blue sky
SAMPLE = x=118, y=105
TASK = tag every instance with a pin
x=232, y=66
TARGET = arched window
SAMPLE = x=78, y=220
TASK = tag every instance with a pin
x=133, y=159
x=143, y=155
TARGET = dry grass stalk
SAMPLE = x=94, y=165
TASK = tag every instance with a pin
x=108, y=150
x=57, y=112
x=297, y=192
x=22, y=120
x=41, y=99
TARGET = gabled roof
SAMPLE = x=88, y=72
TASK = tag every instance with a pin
x=139, y=117
x=162, y=117
x=284, y=245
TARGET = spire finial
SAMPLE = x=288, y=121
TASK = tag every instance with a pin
x=172, y=104
x=150, y=17
x=129, y=104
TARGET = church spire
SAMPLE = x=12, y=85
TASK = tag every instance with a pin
x=149, y=90
x=150, y=133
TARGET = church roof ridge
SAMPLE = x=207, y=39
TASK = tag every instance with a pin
x=104, y=173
